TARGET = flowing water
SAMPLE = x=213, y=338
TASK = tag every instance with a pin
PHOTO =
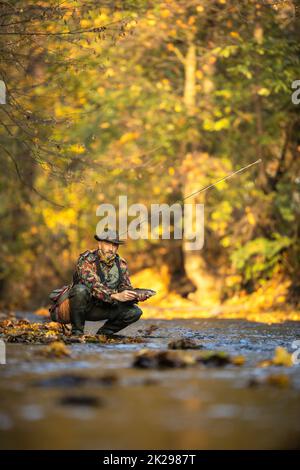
x=95, y=399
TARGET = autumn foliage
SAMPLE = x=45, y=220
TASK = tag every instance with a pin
x=153, y=100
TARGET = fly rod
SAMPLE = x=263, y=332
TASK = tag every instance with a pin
x=212, y=185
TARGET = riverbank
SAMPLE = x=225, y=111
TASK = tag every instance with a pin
x=95, y=398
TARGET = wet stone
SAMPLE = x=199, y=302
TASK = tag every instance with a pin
x=148, y=331
x=184, y=343
x=63, y=381
x=73, y=380
x=162, y=359
x=275, y=380
x=80, y=400
x=215, y=359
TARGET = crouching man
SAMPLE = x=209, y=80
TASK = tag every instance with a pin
x=102, y=289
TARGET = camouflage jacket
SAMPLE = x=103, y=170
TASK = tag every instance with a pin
x=86, y=273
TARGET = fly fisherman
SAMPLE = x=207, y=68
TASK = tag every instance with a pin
x=102, y=289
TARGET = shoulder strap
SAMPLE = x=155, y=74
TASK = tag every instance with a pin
x=119, y=268
x=99, y=270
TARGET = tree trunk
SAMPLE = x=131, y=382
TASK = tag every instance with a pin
x=175, y=255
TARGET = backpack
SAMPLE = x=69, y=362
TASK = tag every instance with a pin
x=60, y=310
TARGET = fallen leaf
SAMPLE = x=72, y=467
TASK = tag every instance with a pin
x=238, y=360
x=56, y=349
x=282, y=357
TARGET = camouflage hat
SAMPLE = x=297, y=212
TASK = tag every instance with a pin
x=109, y=236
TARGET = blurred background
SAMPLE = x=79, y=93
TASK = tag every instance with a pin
x=152, y=100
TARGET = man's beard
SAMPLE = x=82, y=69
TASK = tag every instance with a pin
x=107, y=258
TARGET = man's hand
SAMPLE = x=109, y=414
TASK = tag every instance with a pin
x=124, y=296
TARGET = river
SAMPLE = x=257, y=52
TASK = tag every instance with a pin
x=95, y=399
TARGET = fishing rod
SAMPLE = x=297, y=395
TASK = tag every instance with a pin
x=212, y=185
x=222, y=179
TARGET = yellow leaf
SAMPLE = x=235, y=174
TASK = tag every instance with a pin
x=109, y=72
x=263, y=92
x=57, y=349
x=128, y=137
x=280, y=380
x=77, y=148
x=84, y=23
x=101, y=91
x=104, y=125
x=165, y=13
x=282, y=357
x=251, y=218
x=238, y=360
x=42, y=312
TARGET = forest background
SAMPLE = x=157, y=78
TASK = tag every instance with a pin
x=153, y=100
